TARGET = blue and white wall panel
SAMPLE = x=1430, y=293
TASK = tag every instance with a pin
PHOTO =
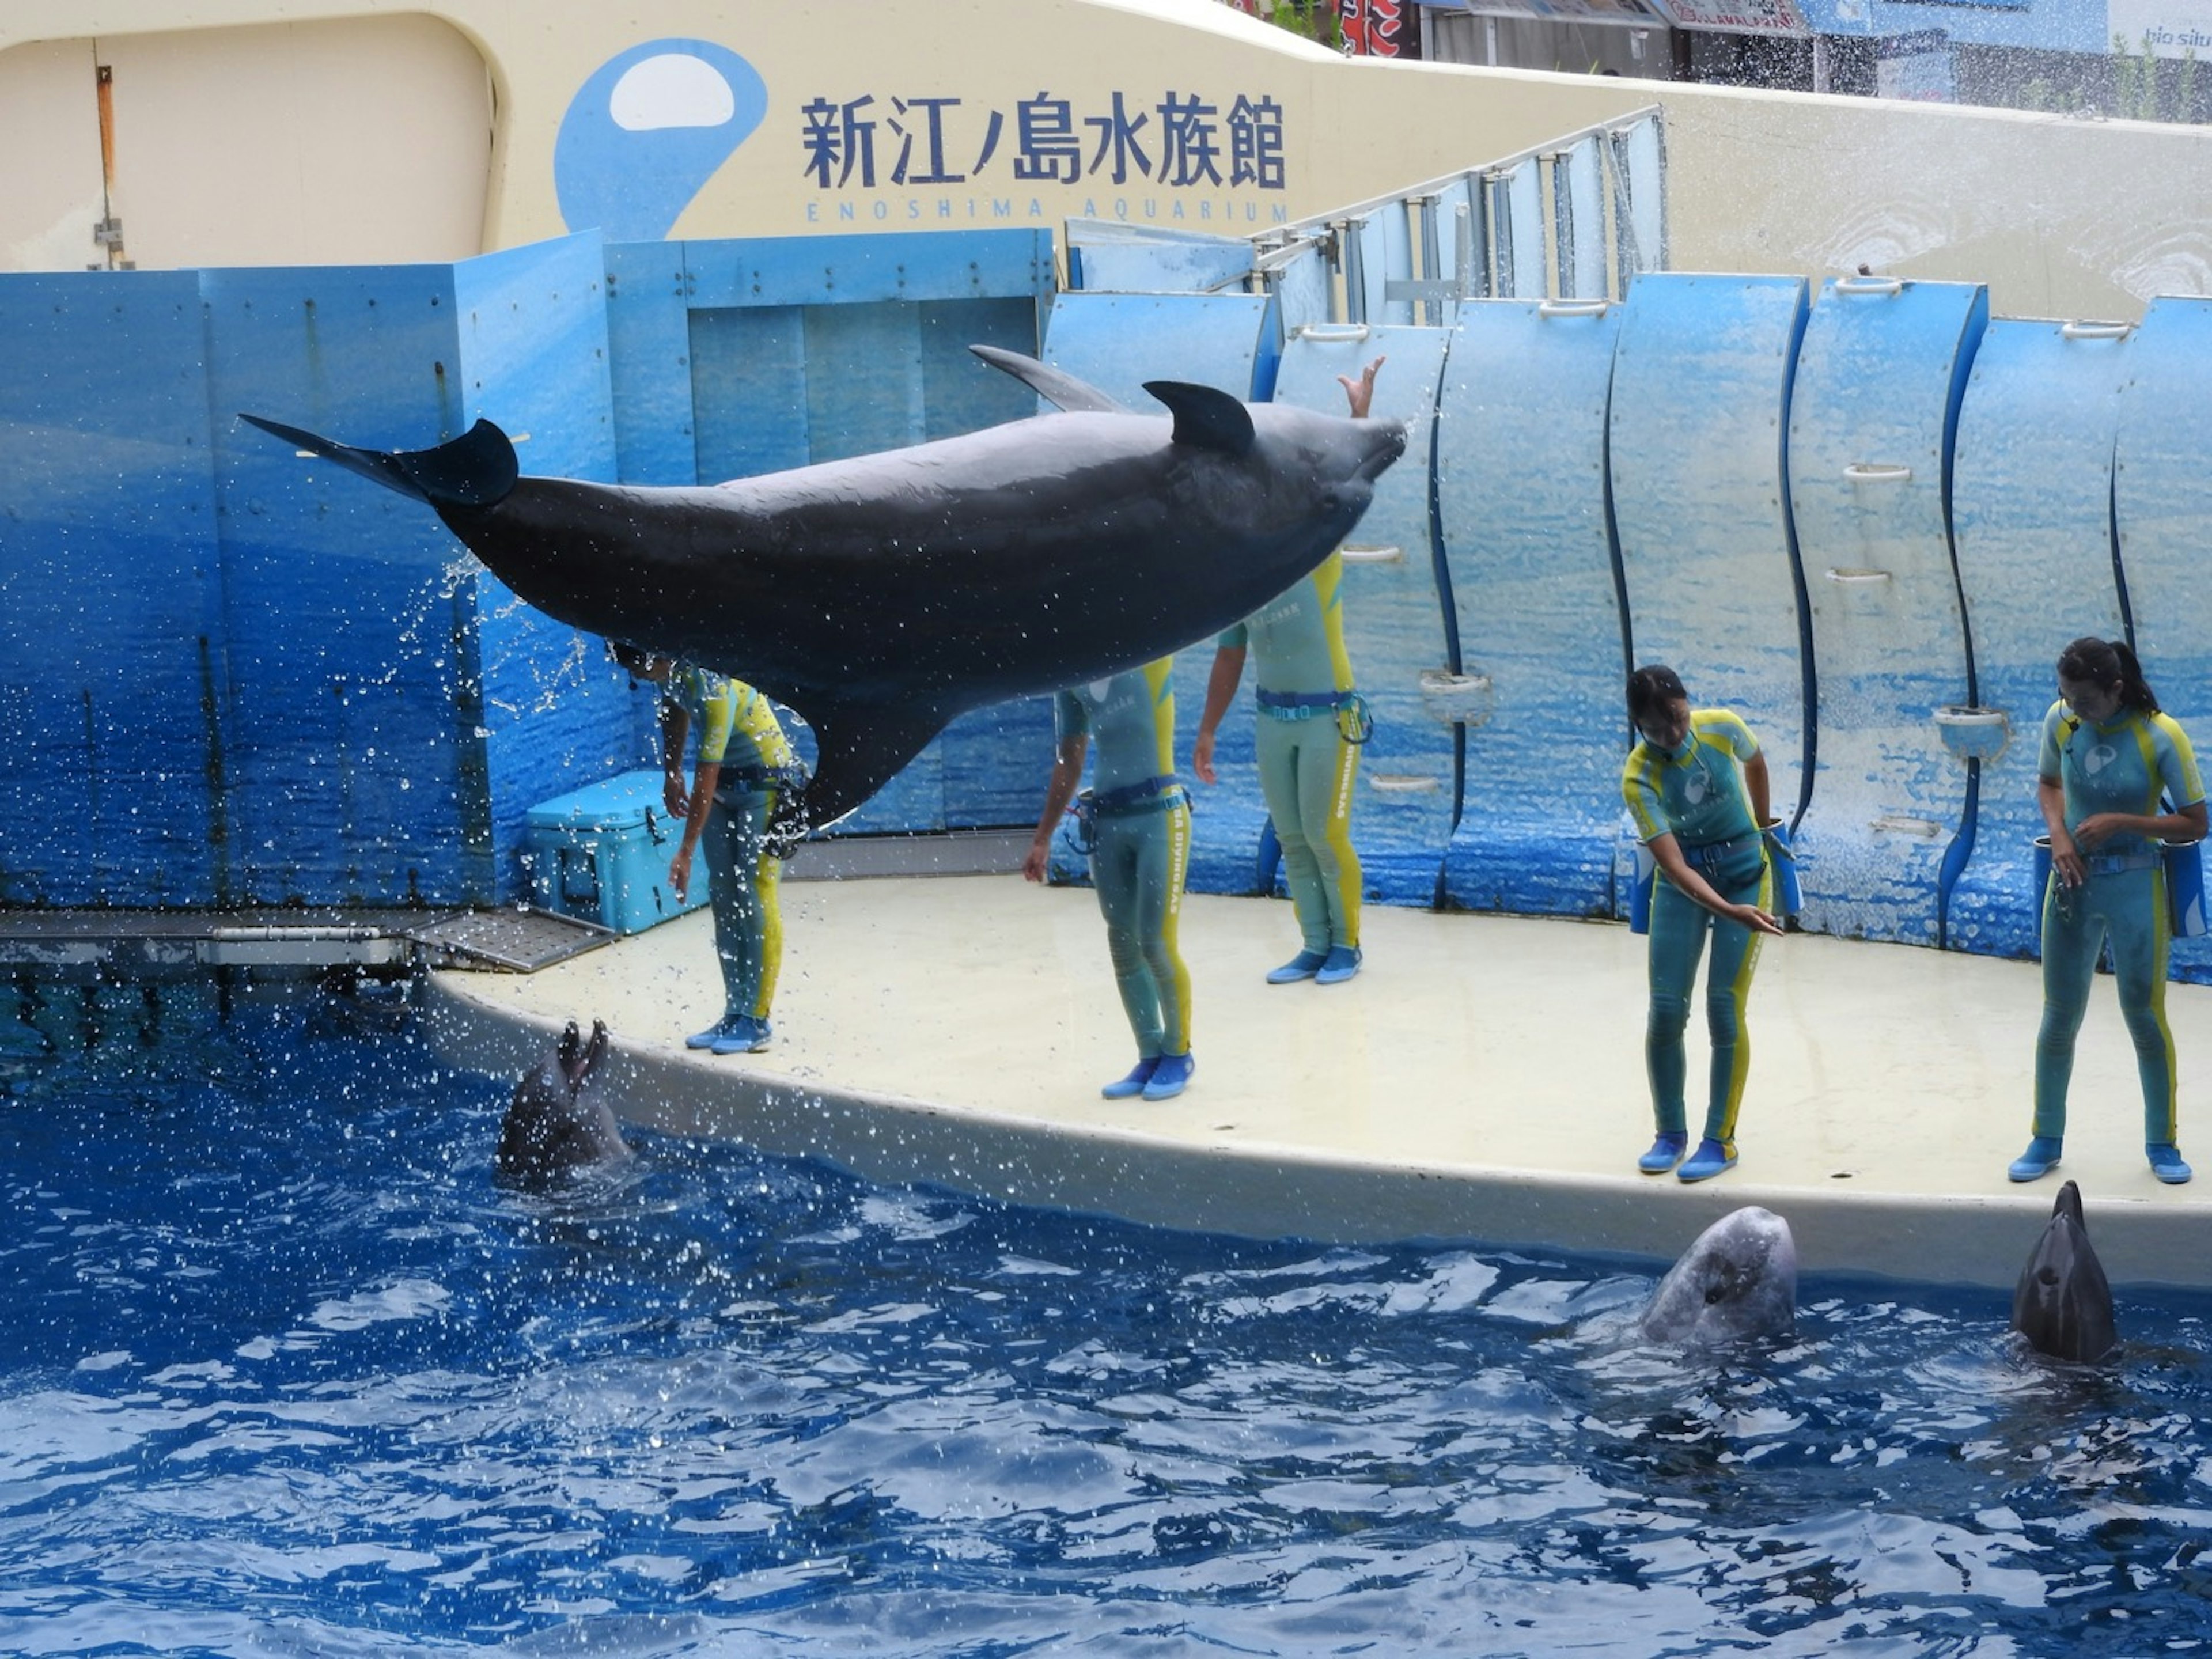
x=113, y=766
x=1117, y=342
x=555, y=713
x=2032, y=522
x=1701, y=384
x=1579, y=218
x=1393, y=626
x=1520, y=492
x=1519, y=235
x=2162, y=509
x=1880, y=373
x=354, y=713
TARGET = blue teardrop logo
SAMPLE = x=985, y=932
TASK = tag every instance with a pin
x=647, y=131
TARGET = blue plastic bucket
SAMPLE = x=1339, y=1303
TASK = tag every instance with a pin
x=1639, y=891
x=2185, y=887
x=1787, y=898
x=2042, y=871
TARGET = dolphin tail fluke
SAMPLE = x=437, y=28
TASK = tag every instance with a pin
x=476, y=470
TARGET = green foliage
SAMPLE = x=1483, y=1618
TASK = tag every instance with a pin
x=1315, y=20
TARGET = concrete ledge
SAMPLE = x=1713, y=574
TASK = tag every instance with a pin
x=1482, y=1079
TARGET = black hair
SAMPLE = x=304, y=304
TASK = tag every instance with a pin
x=2106, y=664
x=1650, y=690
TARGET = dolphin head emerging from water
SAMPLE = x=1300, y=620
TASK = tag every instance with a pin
x=2063, y=1304
x=880, y=597
x=1738, y=1280
x=559, y=1121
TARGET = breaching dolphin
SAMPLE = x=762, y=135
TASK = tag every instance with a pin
x=881, y=596
x=1738, y=1280
x=559, y=1121
x=2063, y=1304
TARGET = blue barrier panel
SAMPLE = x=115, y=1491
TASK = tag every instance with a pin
x=1880, y=372
x=356, y=691
x=1700, y=393
x=1534, y=584
x=2161, y=505
x=1111, y=257
x=113, y=769
x=555, y=714
x=1117, y=342
x=2031, y=519
x=1394, y=625
x=649, y=363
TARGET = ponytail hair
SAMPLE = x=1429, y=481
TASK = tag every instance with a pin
x=1650, y=688
x=2110, y=664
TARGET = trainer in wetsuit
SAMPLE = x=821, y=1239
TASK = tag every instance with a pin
x=1311, y=724
x=1136, y=821
x=2108, y=755
x=1696, y=786
x=745, y=765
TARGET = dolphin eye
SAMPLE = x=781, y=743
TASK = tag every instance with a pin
x=1715, y=1293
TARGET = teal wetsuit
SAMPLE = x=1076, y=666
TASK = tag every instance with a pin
x=738, y=729
x=1696, y=794
x=2122, y=766
x=1140, y=845
x=1307, y=764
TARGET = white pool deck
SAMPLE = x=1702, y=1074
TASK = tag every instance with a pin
x=1481, y=1079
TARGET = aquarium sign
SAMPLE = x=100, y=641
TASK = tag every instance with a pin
x=1189, y=149
x=2166, y=29
x=1741, y=16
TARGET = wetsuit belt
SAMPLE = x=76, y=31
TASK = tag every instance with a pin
x=758, y=779
x=1710, y=855
x=1149, y=796
x=1299, y=705
x=2111, y=863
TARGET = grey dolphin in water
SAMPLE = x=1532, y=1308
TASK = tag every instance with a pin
x=1738, y=1280
x=559, y=1121
x=2063, y=1304
x=884, y=595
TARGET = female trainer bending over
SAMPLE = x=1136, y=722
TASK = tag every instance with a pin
x=1700, y=814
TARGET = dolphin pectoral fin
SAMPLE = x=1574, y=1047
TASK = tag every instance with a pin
x=1054, y=386
x=477, y=469
x=860, y=747
x=1205, y=418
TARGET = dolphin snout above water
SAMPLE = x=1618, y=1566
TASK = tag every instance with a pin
x=559, y=1121
x=2062, y=1305
x=1739, y=1280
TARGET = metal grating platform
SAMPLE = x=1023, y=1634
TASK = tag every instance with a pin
x=520, y=941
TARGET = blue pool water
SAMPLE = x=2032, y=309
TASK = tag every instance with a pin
x=287, y=1374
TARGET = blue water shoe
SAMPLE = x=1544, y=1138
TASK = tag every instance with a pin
x=1343, y=962
x=1666, y=1152
x=1122, y=1087
x=1170, y=1078
x=1305, y=965
x=744, y=1036
x=1711, y=1158
x=2040, y=1159
x=2166, y=1163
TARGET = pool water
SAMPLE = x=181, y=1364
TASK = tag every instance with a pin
x=287, y=1373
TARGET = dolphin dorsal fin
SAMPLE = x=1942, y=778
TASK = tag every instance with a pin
x=1054, y=386
x=1204, y=417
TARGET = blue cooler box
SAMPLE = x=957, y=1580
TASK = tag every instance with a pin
x=600, y=854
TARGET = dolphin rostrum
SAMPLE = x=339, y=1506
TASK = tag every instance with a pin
x=2063, y=1304
x=559, y=1121
x=881, y=596
x=1739, y=1280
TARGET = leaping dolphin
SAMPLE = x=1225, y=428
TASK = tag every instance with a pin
x=880, y=597
x=2063, y=1304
